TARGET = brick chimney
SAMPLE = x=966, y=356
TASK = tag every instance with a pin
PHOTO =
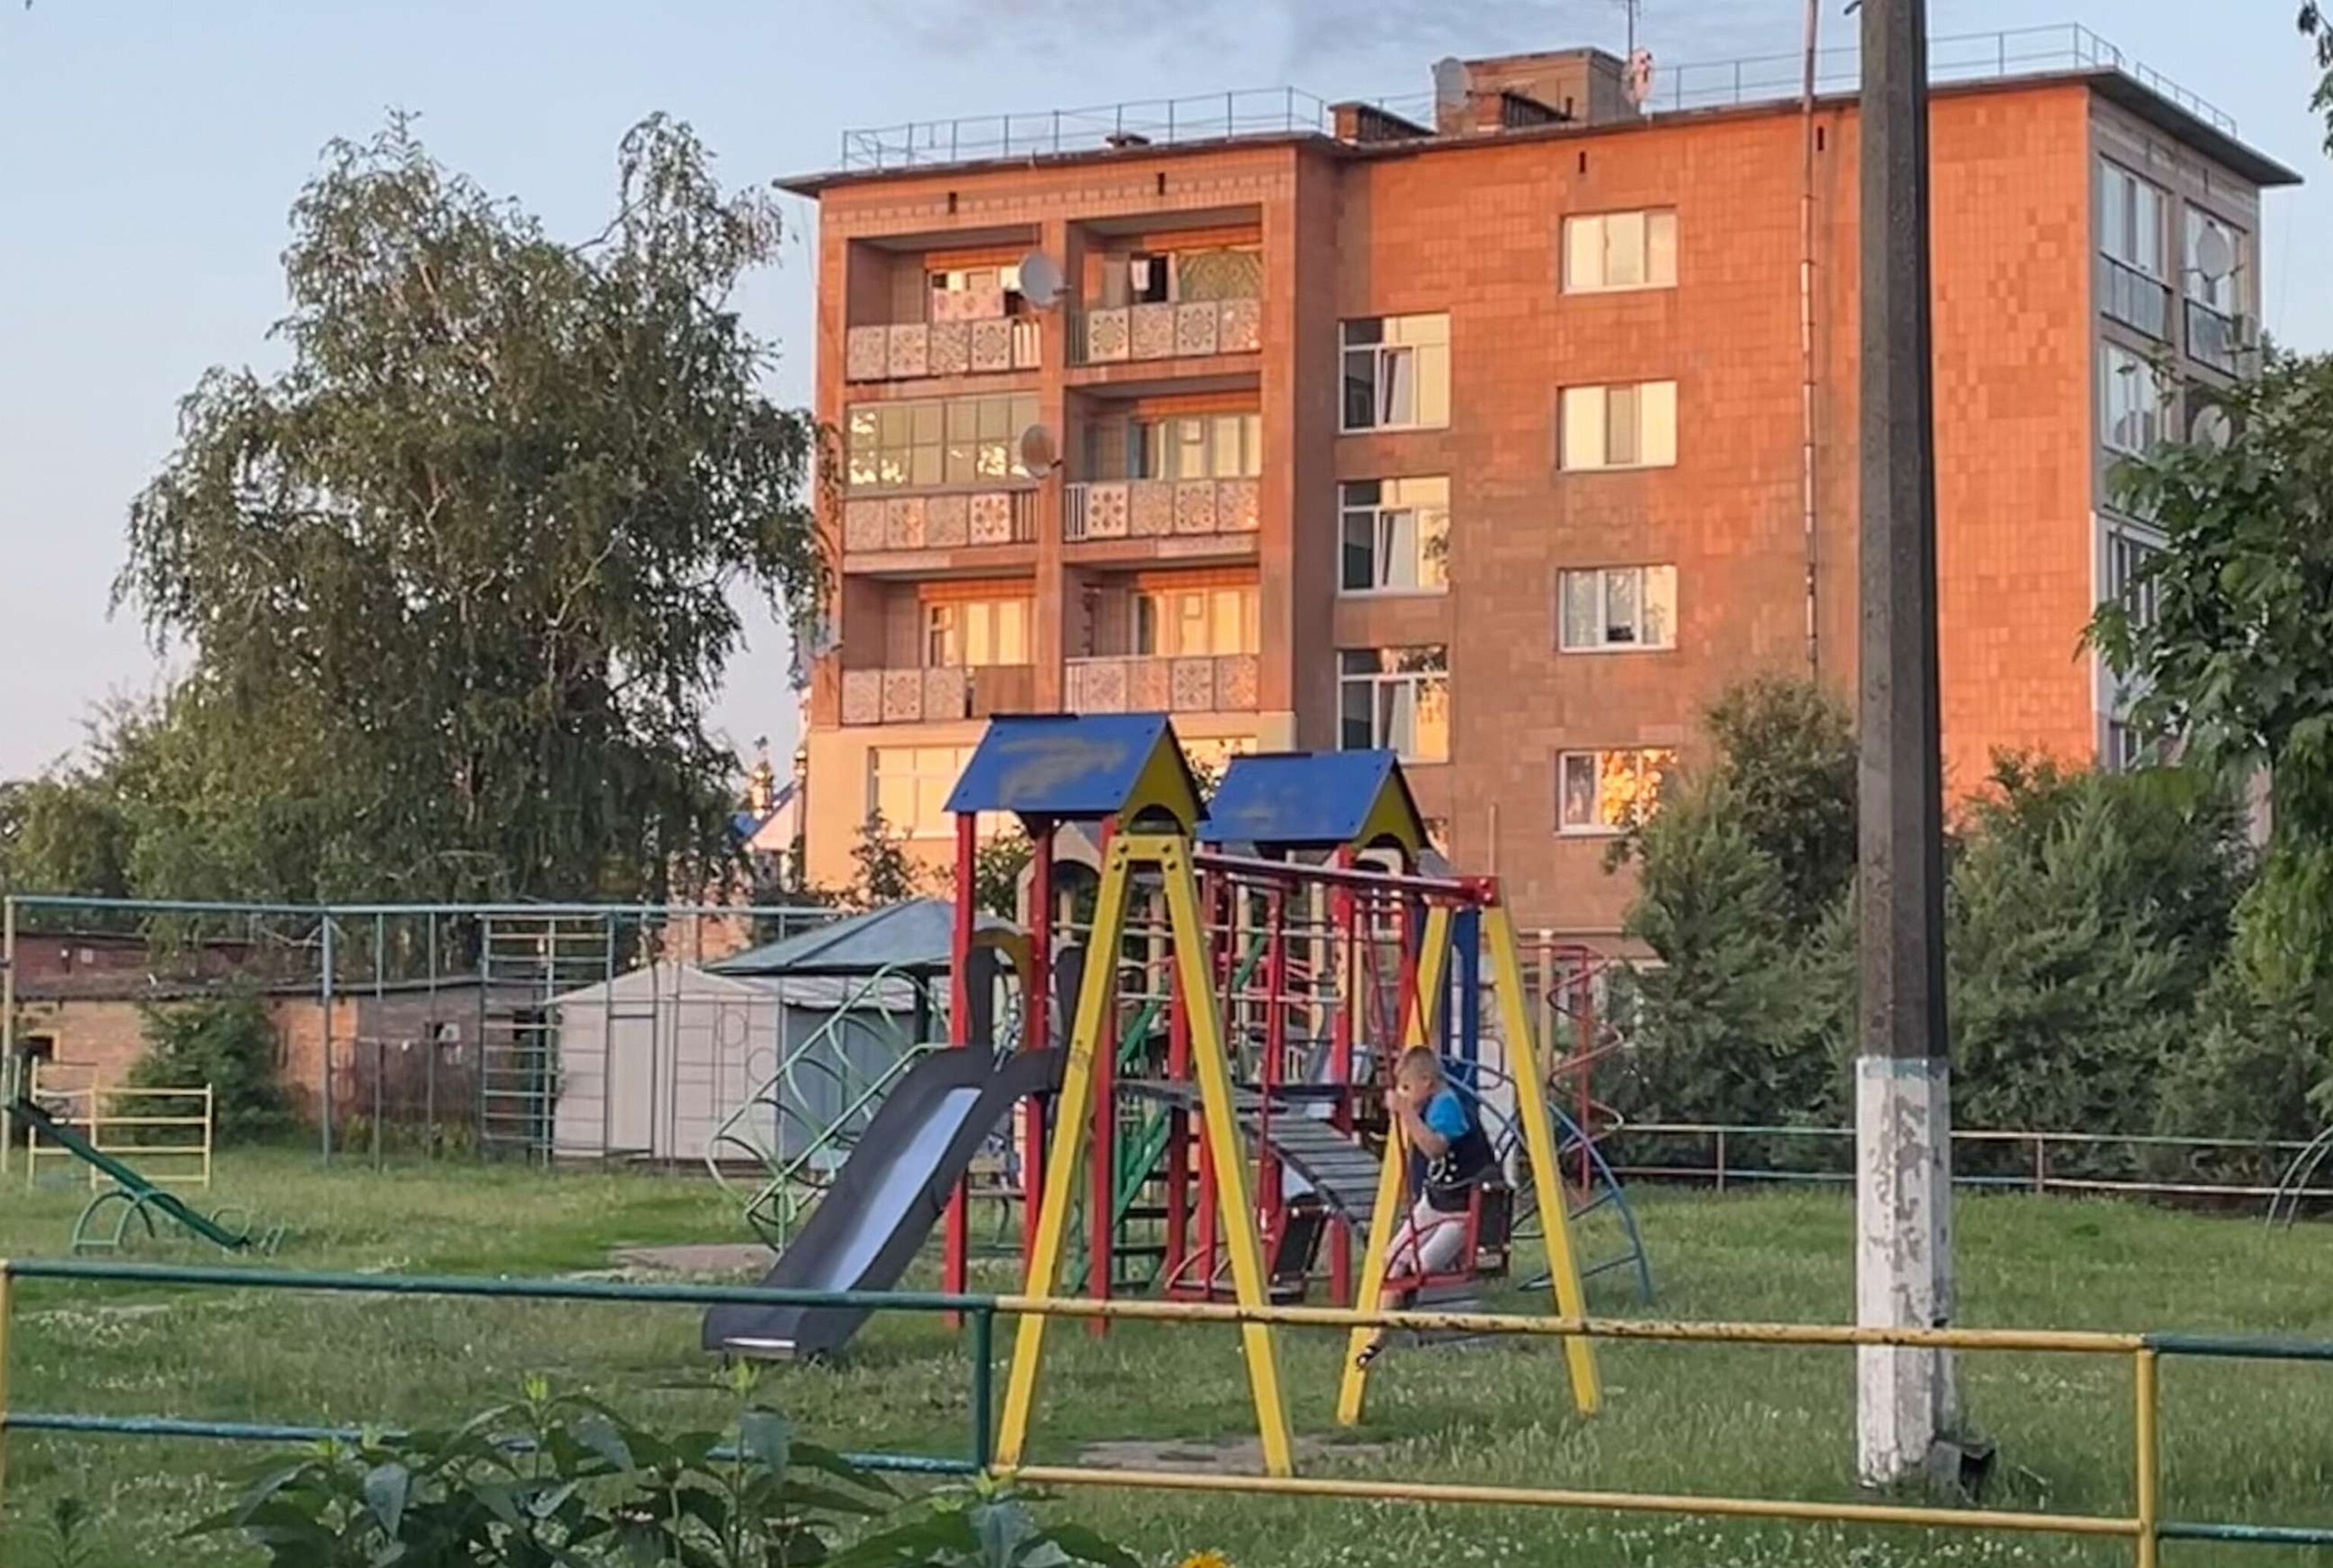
x=1573, y=86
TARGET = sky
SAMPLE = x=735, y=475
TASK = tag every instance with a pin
x=149, y=152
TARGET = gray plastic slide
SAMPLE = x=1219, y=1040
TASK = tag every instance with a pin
x=868, y=1228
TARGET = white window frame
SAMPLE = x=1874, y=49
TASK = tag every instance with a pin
x=2119, y=367
x=1423, y=341
x=2126, y=200
x=988, y=461
x=1585, y=425
x=924, y=772
x=1378, y=681
x=1652, y=231
x=1155, y=444
x=1652, y=582
x=1564, y=763
x=1425, y=500
x=2128, y=549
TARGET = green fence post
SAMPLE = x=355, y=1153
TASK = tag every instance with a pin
x=983, y=1384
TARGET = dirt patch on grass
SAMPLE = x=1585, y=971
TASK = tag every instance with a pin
x=1235, y=1457
x=724, y=1257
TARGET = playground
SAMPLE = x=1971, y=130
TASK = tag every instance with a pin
x=1147, y=1208
x=2241, y=1440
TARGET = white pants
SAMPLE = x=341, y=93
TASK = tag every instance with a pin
x=1429, y=1242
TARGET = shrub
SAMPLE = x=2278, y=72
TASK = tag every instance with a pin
x=227, y=1042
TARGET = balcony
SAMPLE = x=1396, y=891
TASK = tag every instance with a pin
x=1211, y=683
x=936, y=697
x=1158, y=509
x=2130, y=296
x=921, y=349
x=1193, y=330
x=2216, y=340
x=955, y=520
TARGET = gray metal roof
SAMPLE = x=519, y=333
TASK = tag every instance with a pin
x=913, y=938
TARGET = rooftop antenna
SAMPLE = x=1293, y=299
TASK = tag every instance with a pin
x=1632, y=8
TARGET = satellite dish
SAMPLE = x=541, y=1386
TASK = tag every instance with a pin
x=2216, y=257
x=1038, y=452
x=2211, y=427
x=1638, y=81
x=1041, y=280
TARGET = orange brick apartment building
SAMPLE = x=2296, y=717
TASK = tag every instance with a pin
x=1477, y=431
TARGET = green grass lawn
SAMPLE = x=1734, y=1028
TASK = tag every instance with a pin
x=2244, y=1441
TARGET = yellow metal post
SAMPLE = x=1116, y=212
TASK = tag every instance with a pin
x=1095, y=995
x=2147, y=1446
x=1210, y=1063
x=1393, y=1175
x=1539, y=1141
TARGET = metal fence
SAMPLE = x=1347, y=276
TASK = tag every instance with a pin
x=2145, y=1526
x=1994, y=1159
x=1287, y=110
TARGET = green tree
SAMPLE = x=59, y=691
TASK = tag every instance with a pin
x=226, y=1042
x=2317, y=25
x=457, y=582
x=2236, y=663
x=1786, y=757
x=996, y=868
x=886, y=872
x=2087, y=913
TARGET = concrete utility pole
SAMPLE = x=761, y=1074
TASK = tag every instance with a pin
x=1903, y=1100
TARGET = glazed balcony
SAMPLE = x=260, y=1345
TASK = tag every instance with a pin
x=1135, y=683
x=924, y=696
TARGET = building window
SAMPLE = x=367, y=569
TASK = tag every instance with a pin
x=1614, y=251
x=1616, y=607
x=1395, y=700
x=2127, y=749
x=1196, y=446
x=907, y=787
x=1610, y=791
x=1190, y=623
x=2126, y=555
x=2134, y=400
x=974, y=634
x=1619, y=426
x=1396, y=372
x=1397, y=536
x=943, y=442
x=2130, y=220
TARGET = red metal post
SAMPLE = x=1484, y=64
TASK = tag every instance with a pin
x=1036, y=1027
x=1269, y=1194
x=956, y=1246
x=1345, y=967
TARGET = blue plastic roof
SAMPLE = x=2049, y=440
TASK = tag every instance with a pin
x=1068, y=767
x=908, y=939
x=1300, y=800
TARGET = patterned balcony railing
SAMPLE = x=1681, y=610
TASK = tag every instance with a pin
x=947, y=521
x=1216, y=684
x=1140, y=332
x=2130, y=296
x=942, y=348
x=930, y=696
x=2216, y=339
x=1158, y=508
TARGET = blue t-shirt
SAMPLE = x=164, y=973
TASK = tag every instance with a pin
x=1446, y=1115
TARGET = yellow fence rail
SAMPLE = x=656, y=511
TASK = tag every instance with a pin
x=2145, y=1526
x=168, y=1133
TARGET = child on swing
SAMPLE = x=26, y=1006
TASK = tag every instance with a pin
x=1450, y=1154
